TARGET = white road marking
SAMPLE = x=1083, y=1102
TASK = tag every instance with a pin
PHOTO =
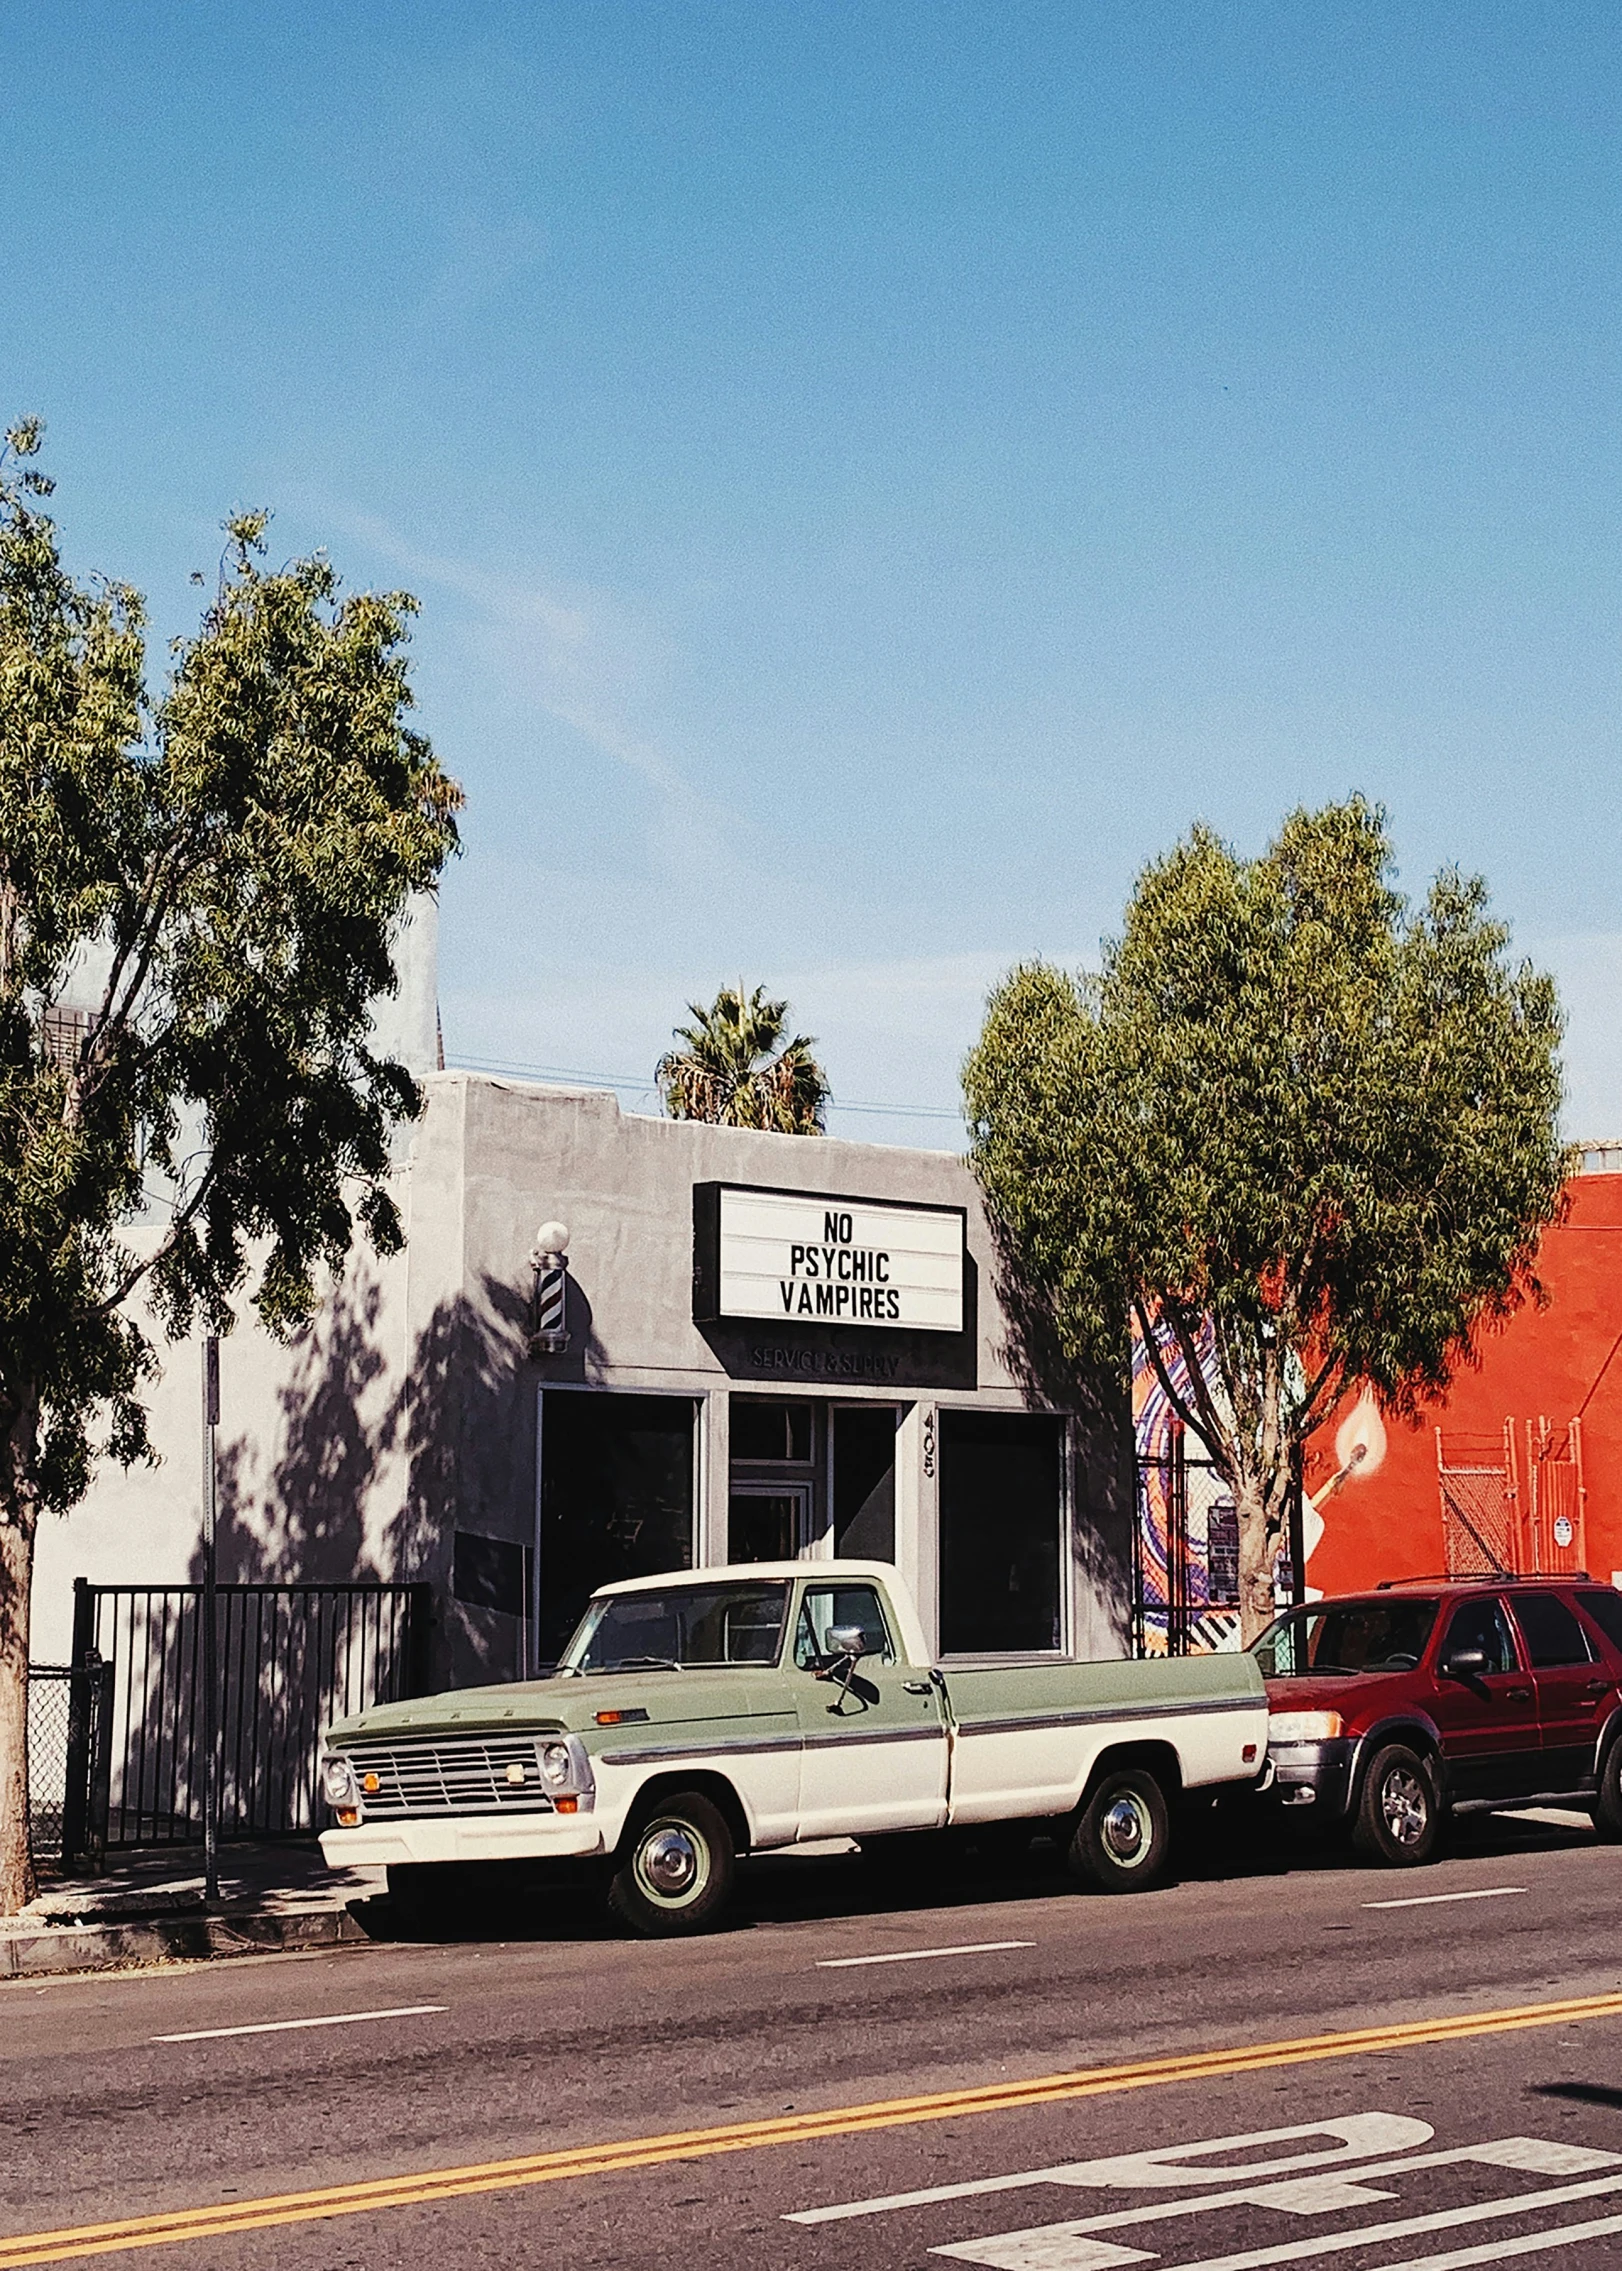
x=922, y=1955
x=1435, y=1900
x=1528, y=2156
x=288, y=2026
x=1041, y=2247
x=1530, y=2243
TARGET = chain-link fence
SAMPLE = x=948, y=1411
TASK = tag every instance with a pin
x=69, y=1723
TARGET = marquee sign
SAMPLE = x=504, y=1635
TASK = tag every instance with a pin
x=812, y=1258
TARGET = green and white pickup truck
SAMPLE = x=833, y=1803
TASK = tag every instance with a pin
x=725, y=1711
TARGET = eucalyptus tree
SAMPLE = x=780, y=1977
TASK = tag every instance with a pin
x=734, y=1068
x=1292, y=1111
x=212, y=877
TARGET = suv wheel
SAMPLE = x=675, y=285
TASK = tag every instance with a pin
x=1398, y=1816
x=1608, y=1797
x=676, y=1869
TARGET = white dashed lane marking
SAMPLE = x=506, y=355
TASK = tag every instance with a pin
x=1436, y=1900
x=922, y=1955
x=290, y=2026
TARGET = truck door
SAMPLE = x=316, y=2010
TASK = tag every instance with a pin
x=1572, y=1689
x=874, y=1732
x=1486, y=1710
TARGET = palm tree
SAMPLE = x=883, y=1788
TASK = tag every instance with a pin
x=725, y=1070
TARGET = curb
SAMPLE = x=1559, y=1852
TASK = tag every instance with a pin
x=170, y=1939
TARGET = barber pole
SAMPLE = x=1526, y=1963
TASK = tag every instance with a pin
x=550, y=1262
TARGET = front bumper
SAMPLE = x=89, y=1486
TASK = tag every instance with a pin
x=1311, y=1779
x=462, y=1837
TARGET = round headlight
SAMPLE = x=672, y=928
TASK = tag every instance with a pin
x=557, y=1766
x=338, y=1780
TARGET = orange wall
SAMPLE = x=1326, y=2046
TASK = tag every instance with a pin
x=1549, y=1363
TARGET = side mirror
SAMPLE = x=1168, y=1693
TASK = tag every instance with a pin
x=1466, y=1663
x=847, y=1640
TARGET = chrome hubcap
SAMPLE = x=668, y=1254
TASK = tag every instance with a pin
x=1126, y=1829
x=669, y=1862
x=1405, y=1805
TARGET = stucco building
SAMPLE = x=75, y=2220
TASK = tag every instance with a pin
x=773, y=1344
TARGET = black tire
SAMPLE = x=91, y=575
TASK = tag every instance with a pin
x=676, y=1869
x=1608, y=1797
x=1399, y=1813
x=1123, y=1835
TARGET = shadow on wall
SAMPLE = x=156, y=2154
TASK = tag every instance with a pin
x=457, y=1431
x=1106, y=1473
x=454, y=1440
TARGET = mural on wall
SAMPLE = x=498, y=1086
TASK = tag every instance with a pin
x=1186, y=1546
x=1186, y=1549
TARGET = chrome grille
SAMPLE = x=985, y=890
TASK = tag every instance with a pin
x=451, y=1774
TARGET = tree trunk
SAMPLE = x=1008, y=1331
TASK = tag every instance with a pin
x=19, y=1513
x=1258, y=1553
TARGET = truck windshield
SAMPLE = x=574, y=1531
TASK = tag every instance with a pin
x=1346, y=1636
x=689, y=1624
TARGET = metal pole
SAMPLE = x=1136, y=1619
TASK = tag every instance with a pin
x=1298, y=1541
x=211, y=1669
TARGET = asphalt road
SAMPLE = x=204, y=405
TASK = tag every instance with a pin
x=707, y=2102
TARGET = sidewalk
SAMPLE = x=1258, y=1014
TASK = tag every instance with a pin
x=148, y=1908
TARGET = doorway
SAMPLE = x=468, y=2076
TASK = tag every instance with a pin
x=768, y=1521
x=777, y=1481
x=810, y=1478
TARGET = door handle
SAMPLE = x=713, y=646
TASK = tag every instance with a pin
x=1596, y=1688
x=1517, y=1695
x=915, y=1687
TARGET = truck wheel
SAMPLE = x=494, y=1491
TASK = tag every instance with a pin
x=1608, y=1797
x=1398, y=1815
x=1121, y=1842
x=677, y=1870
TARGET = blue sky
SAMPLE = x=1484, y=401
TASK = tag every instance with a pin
x=874, y=473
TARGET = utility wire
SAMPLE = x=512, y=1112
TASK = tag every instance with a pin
x=643, y=1087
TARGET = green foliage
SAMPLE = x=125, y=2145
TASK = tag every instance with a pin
x=726, y=1070
x=1290, y=1104
x=220, y=874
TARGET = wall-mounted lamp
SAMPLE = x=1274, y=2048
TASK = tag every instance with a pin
x=549, y=1260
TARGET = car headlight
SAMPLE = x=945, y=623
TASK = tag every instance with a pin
x=565, y=1771
x=1303, y=1726
x=338, y=1785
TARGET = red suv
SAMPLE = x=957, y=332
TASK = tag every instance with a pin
x=1390, y=1710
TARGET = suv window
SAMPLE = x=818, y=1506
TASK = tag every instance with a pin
x=1552, y=1634
x=1483, y=1625
x=824, y=1607
x=1347, y=1636
x=1605, y=1607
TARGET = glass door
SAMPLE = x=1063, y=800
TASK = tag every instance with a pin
x=768, y=1521
x=777, y=1483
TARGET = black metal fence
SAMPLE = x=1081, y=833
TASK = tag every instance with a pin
x=291, y=1658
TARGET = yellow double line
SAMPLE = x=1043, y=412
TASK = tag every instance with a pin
x=793, y=2129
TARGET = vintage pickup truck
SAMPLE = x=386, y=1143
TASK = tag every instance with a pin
x=696, y=1717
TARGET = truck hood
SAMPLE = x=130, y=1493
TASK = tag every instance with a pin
x=651, y=1699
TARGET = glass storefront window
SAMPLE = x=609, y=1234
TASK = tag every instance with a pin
x=1001, y=1529
x=864, y=1481
x=616, y=1498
